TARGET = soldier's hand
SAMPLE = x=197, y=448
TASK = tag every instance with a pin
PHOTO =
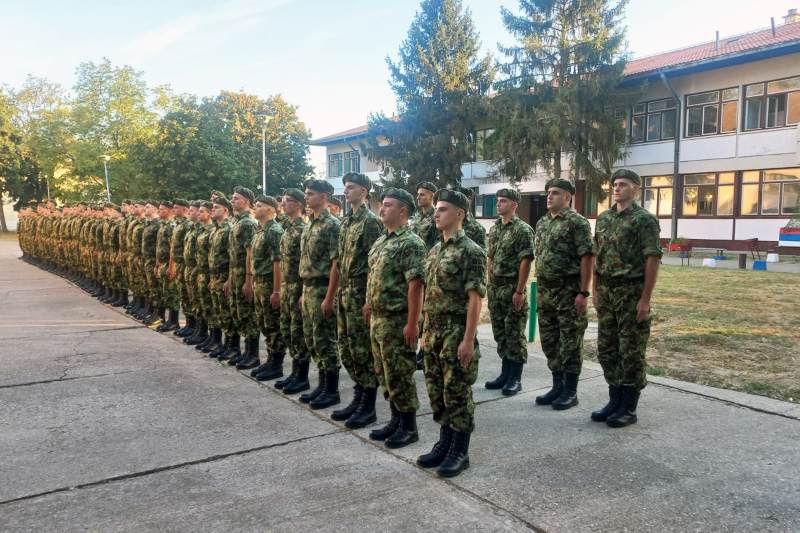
x=411, y=335
x=275, y=300
x=466, y=349
x=366, y=311
x=581, y=303
x=327, y=308
x=247, y=290
x=518, y=299
x=226, y=288
x=642, y=310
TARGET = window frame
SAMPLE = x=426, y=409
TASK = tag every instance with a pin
x=657, y=189
x=719, y=104
x=336, y=158
x=760, y=183
x=763, y=100
x=671, y=106
x=716, y=185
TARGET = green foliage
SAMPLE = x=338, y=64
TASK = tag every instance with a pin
x=440, y=83
x=559, y=95
x=19, y=169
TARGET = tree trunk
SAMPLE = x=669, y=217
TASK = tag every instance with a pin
x=3, y=225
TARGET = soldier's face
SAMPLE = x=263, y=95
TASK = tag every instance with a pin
x=557, y=198
x=291, y=207
x=334, y=209
x=624, y=190
x=391, y=212
x=424, y=198
x=164, y=211
x=447, y=216
x=354, y=193
x=204, y=215
x=505, y=206
x=240, y=203
x=315, y=199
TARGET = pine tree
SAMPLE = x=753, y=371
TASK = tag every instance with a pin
x=440, y=83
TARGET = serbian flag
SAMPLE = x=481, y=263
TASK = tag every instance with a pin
x=789, y=237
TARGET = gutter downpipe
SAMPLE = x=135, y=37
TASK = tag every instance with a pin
x=676, y=158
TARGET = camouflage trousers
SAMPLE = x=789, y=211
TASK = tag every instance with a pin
x=561, y=329
x=167, y=289
x=221, y=309
x=395, y=363
x=508, y=323
x=203, y=302
x=151, y=283
x=268, y=319
x=449, y=384
x=188, y=290
x=243, y=313
x=621, y=341
x=319, y=332
x=354, y=336
x=182, y=288
x=291, y=321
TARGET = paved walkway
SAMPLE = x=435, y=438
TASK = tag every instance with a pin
x=106, y=425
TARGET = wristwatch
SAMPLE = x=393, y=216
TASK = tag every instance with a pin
x=584, y=293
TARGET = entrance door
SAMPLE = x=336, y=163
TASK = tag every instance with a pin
x=537, y=208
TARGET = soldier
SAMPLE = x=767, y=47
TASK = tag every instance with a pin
x=628, y=255
x=472, y=227
x=455, y=272
x=167, y=291
x=218, y=266
x=136, y=260
x=265, y=264
x=510, y=255
x=335, y=207
x=189, y=276
x=203, y=280
x=239, y=287
x=359, y=230
x=394, y=303
x=177, y=262
x=423, y=224
x=564, y=258
x=149, y=243
x=291, y=293
x=318, y=257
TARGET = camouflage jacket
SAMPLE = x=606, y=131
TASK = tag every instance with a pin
x=266, y=249
x=182, y=226
x=150, y=239
x=475, y=231
x=290, y=251
x=319, y=246
x=164, y=240
x=509, y=244
x=218, y=253
x=358, y=232
x=560, y=243
x=203, y=248
x=136, y=230
x=395, y=259
x=623, y=241
x=452, y=269
x=243, y=228
x=189, y=250
x=424, y=226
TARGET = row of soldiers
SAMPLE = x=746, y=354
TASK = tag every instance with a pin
x=367, y=290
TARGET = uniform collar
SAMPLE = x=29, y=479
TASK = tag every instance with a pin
x=457, y=236
x=560, y=214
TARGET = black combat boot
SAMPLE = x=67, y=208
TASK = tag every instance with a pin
x=260, y=368
x=499, y=381
x=513, y=384
x=250, y=358
x=614, y=398
x=207, y=345
x=569, y=393
x=439, y=451
x=310, y=395
x=274, y=368
x=457, y=459
x=234, y=350
x=345, y=412
x=364, y=414
x=625, y=415
x=191, y=340
x=121, y=299
x=554, y=392
x=406, y=432
x=330, y=396
x=172, y=322
x=214, y=341
x=222, y=347
x=386, y=431
x=187, y=329
x=105, y=296
x=300, y=381
x=281, y=383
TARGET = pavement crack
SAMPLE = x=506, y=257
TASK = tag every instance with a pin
x=76, y=332
x=62, y=378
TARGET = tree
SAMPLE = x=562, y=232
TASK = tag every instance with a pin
x=559, y=98
x=440, y=83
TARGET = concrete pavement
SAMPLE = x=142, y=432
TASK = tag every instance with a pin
x=107, y=425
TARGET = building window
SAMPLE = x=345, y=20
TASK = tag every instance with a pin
x=770, y=192
x=653, y=121
x=480, y=150
x=342, y=163
x=657, y=195
x=486, y=206
x=708, y=194
x=712, y=112
x=773, y=104
x=592, y=205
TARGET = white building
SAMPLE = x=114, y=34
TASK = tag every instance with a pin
x=737, y=153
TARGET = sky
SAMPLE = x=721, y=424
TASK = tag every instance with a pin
x=327, y=57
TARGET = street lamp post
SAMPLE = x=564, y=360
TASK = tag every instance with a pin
x=264, y=152
x=105, y=159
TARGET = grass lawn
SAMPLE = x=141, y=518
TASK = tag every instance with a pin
x=733, y=329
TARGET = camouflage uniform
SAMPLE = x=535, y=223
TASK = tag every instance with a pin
x=509, y=244
x=475, y=231
x=561, y=241
x=266, y=252
x=149, y=241
x=218, y=264
x=204, y=306
x=167, y=291
x=189, y=253
x=318, y=249
x=176, y=253
x=623, y=242
x=358, y=232
x=291, y=320
x=452, y=269
x=395, y=260
x=424, y=226
x=242, y=230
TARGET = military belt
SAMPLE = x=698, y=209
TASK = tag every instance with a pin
x=557, y=283
x=356, y=281
x=503, y=280
x=619, y=281
x=315, y=282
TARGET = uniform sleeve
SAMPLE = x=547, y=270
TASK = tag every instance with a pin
x=525, y=243
x=333, y=240
x=490, y=242
x=583, y=238
x=413, y=260
x=650, y=237
x=275, y=244
x=475, y=270
x=372, y=230
x=247, y=233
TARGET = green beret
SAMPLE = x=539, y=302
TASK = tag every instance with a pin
x=402, y=195
x=109, y=205
x=152, y=202
x=469, y=193
x=195, y=203
x=358, y=179
x=428, y=186
x=181, y=201
x=511, y=194
x=269, y=200
x=127, y=202
x=165, y=203
x=208, y=205
x=319, y=186
x=626, y=174
x=450, y=196
x=221, y=200
x=295, y=194
x=560, y=183
x=217, y=193
x=247, y=193
x=336, y=201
